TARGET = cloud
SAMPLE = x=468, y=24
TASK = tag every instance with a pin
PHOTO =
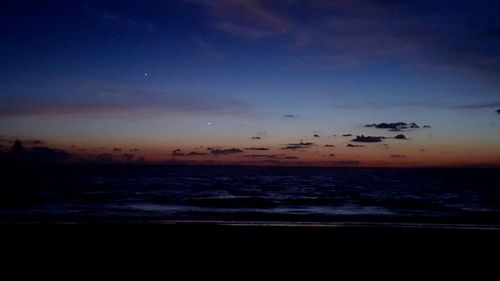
x=122, y=16
x=316, y=136
x=432, y=104
x=290, y=116
x=48, y=155
x=368, y=139
x=398, y=156
x=117, y=149
x=208, y=50
x=113, y=101
x=36, y=155
x=178, y=152
x=351, y=33
x=485, y=105
x=35, y=142
x=256, y=138
x=302, y=143
x=294, y=147
x=394, y=127
x=194, y=153
x=128, y=157
x=298, y=146
x=256, y=148
x=217, y=151
x=498, y=111
x=347, y=135
x=248, y=19
x=354, y=145
x=400, y=137
x=329, y=145
x=27, y=142
x=270, y=156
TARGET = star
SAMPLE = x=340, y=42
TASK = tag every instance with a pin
x=209, y=123
x=145, y=75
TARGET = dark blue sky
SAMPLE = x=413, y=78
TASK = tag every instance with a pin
x=155, y=73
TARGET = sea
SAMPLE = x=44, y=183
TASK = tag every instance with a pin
x=454, y=197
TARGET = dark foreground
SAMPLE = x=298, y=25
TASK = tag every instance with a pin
x=310, y=198
x=210, y=240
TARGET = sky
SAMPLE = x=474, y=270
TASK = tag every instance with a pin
x=254, y=82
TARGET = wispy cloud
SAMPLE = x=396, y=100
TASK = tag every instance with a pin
x=229, y=151
x=356, y=32
x=117, y=101
x=250, y=19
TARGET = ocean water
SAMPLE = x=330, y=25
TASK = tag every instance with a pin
x=130, y=193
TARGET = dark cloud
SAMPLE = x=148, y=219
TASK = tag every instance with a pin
x=294, y=147
x=498, y=111
x=271, y=156
x=117, y=149
x=426, y=126
x=290, y=116
x=331, y=155
x=128, y=157
x=329, y=145
x=347, y=135
x=298, y=146
x=394, y=127
x=256, y=138
x=36, y=155
x=302, y=143
x=27, y=142
x=133, y=150
x=369, y=139
x=354, y=145
x=48, y=155
x=177, y=152
x=229, y=151
x=256, y=148
x=194, y=153
x=35, y=142
x=316, y=136
x=400, y=137
x=398, y=156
